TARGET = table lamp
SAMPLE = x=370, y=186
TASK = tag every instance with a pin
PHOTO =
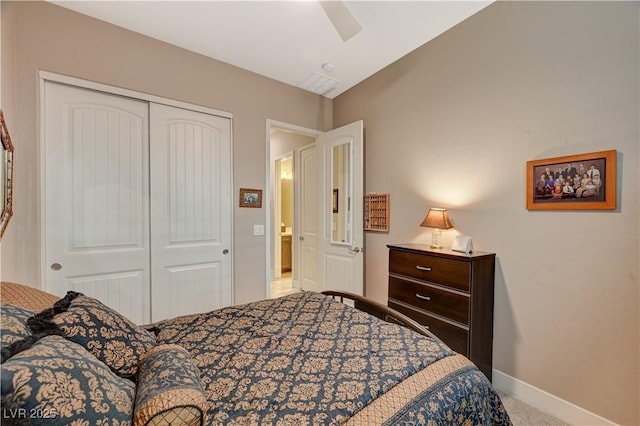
x=437, y=219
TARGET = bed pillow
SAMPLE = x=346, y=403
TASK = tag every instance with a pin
x=111, y=337
x=13, y=324
x=57, y=382
x=170, y=390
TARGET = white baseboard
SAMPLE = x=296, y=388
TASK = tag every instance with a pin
x=544, y=401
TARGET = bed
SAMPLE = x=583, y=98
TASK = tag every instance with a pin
x=306, y=358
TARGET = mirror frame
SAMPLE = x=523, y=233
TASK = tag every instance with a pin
x=341, y=209
x=7, y=146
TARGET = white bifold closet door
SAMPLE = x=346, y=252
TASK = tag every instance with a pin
x=190, y=212
x=143, y=224
x=96, y=188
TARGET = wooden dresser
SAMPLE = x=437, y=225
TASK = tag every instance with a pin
x=449, y=292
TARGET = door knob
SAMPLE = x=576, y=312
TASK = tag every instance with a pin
x=354, y=250
x=225, y=251
x=56, y=266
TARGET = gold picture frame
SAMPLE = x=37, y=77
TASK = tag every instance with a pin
x=594, y=187
x=6, y=176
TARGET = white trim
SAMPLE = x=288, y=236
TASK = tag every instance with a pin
x=292, y=128
x=232, y=243
x=544, y=401
x=42, y=183
x=267, y=193
x=73, y=81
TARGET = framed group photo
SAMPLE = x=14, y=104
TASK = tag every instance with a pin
x=574, y=182
x=251, y=198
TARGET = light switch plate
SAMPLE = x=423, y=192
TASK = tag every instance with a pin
x=258, y=230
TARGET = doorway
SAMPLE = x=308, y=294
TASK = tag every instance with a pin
x=283, y=202
x=286, y=198
x=327, y=168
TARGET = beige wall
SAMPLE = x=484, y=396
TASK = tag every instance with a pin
x=452, y=125
x=41, y=36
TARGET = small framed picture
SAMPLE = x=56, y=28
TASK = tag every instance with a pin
x=251, y=198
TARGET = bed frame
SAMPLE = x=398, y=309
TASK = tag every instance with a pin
x=381, y=311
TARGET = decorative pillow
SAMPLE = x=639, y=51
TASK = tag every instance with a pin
x=57, y=382
x=170, y=390
x=16, y=334
x=111, y=337
x=13, y=321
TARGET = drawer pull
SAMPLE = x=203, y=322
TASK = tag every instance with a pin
x=424, y=268
x=419, y=296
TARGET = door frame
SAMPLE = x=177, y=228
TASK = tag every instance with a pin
x=43, y=77
x=272, y=125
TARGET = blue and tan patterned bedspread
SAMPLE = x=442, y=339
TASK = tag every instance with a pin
x=308, y=359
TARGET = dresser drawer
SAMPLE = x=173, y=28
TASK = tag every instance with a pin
x=450, y=272
x=446, y=303
x=455, y=337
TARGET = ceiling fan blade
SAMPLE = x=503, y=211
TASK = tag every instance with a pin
x=343, y=21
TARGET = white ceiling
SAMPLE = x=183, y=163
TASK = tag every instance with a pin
x=287, y=40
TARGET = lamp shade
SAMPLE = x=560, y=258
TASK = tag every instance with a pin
x=437, y=218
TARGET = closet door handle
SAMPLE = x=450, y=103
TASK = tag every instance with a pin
x=424, y=268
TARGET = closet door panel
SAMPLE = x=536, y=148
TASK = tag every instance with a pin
x=97, y=198
x=190, y=288
x=194, y=183
x=191, y=212
x=123, y=291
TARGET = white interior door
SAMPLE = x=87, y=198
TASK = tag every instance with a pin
x=341, y=240
x=277, y=218
x=96, y=222
x=307, y=172
x=191, y=212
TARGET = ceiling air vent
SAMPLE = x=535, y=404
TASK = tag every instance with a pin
x=319, y=84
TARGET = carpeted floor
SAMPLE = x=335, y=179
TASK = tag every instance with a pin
x=525, y=415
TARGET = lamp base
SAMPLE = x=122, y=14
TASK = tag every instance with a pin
x=435, y=239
